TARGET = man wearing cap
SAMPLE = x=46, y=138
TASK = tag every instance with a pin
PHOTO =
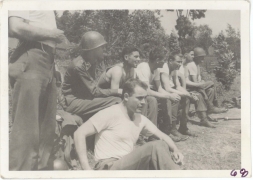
x=207, y=89
x=82, y=95
x=31, y=71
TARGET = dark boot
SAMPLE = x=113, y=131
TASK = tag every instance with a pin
x=175, y=138
x=204, y=120
x=187, y=132
x=214, y=110
x=175, y=132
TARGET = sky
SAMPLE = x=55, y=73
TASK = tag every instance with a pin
x=217, y=20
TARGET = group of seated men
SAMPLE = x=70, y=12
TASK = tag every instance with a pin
x=123, y=104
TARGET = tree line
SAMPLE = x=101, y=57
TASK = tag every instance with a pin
x=143, y=29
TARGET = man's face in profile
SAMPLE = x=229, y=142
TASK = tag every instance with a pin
x=137, y=100
x=133, y=59
x=189, y=57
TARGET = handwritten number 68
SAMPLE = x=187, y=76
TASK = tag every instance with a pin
x=243, y=172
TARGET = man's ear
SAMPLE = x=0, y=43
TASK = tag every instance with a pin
x=126, y=97
x=126, y=57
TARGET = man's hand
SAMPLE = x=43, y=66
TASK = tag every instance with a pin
x=186, y=94
x=194, y=96
x=174, y=97
x=202, y=85
x=58, y=36
x=177, y=157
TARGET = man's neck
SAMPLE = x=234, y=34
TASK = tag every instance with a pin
x=170, y=68
x=196, y=63
x=127, y=67
x=152, y=67
x=128, y=112
x=92, y=68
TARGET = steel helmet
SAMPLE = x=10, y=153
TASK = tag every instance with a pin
x=92, y=40
x=199, y=52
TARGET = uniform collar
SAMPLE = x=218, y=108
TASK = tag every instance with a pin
x=87, y=65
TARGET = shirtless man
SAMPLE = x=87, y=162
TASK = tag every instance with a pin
x=116, y=76
x=117, y=129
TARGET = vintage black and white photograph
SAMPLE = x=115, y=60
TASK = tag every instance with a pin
x=126, y=89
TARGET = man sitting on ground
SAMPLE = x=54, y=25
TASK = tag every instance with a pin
x=82, y=95
x=115, y=77
x=194, y=81
x=149, y=73
x=117, y=129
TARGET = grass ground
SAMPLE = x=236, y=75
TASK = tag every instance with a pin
x=214, y=149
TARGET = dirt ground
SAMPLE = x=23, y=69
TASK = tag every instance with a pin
x=214, y=149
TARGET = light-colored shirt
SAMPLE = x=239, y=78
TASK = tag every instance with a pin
x=117, y=134
x=144, y=74
x=165, y=69
x=194, y=70
x=181, y=70
x=41, y=19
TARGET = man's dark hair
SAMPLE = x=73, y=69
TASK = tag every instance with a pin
x=173, y=56
x=127, y=50
x=187, y=49
x=159, y=53
x=130, y=85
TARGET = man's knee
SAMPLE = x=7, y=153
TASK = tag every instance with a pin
x=200, y=96
x=157, y=144
x=151, y=100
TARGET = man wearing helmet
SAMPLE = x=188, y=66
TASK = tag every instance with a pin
x=207, y=89
x=82, y=95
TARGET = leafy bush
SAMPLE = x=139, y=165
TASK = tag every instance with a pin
x=225, y=72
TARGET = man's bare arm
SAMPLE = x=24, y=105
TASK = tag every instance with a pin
x=19, y=29
x=87, y=129
x=183, y=81
x=166, y=83
x=116, y=75
x=171, y=96
x=173, y=148
x=194, y=83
